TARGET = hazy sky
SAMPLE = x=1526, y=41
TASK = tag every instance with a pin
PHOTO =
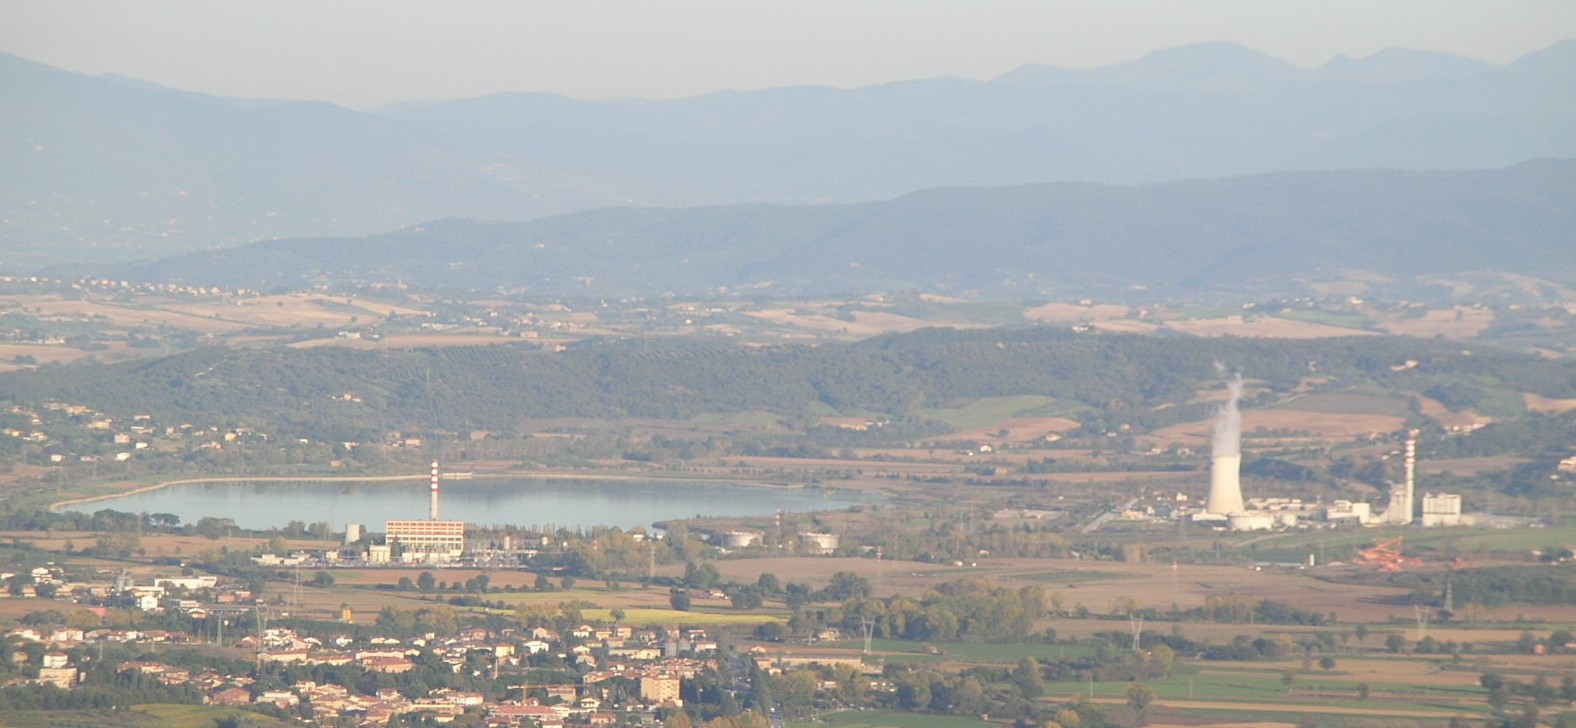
x=363, y=53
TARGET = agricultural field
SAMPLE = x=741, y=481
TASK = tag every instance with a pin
x=1456, y=322
x=1260, y=327
x=888, y=719
x=1026, y=418
x=138, y=716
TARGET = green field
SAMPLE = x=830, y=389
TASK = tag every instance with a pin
x=647, y=616
x=155, y=715
x=1355, y=401
x=1339, y=544
x=989, y=411
x=886, y=719
x=986, y=653
x=737, y=419
x=1503, y=403
x=1328, y=318
x=199, y=716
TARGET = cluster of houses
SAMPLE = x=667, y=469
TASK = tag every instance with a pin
x=193, y=596
x=105, y=285
x=55, y=664
x=161, y=594
x=648, y=666
x=112, y=439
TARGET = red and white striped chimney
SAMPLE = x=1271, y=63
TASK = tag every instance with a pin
x=434, y=508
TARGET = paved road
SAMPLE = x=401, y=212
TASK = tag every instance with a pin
x=1105, y=517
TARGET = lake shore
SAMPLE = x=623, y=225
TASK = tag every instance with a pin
x=535, y=473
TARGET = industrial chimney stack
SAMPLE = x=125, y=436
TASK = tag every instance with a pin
x=433, y=515
x=1408, y=493
x=1403, y=494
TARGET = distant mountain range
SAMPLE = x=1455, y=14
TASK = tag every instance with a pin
x=1264, y=235
x=107, y=168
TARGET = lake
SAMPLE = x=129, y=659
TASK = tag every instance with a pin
x=569, y=503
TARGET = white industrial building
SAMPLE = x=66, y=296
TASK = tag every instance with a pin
x=1441, y=509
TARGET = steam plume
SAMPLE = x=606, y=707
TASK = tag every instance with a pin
x=1228, y=421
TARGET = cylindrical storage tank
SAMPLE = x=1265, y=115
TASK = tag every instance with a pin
x=1250, y=521
x=740, y=539
x=823, y=542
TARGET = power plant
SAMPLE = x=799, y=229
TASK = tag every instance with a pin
x=428, y=541
x=1225, y=506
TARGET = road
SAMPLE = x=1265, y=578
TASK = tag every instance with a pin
x=1106, y=517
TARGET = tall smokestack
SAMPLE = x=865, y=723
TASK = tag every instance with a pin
x=1408, y=483
x=434, y=491
x=1399, y=511
x=1225, y=484
x=1411, y=462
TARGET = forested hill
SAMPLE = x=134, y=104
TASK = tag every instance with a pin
x=1114, y=378
x=1247, y=237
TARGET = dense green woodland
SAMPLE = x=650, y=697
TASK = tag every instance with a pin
x=1098, y=378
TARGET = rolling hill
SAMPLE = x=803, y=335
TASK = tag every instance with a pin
x=106, y=168
x=1264, y=235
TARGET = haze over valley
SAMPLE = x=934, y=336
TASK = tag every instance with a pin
x=1137, y=363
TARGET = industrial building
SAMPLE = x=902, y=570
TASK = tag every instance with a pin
x=429, y=541
x=1225, y=507
x=425, y=541
x=741, y=539
x=1441, y=509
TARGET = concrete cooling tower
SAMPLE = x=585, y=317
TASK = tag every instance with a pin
x=1225, y=468
x=1225, y=485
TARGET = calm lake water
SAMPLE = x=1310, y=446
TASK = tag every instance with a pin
x=524, y=502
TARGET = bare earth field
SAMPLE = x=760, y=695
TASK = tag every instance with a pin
x=1465, y=418
x=1468, y=466
x=149, y=312
x=865, y=323
x=1544, y=404
x=153, y=544
x=1459, y=322
x=43, y=353
x=1320, y=424
x=1266, y=327
x=1020, y=430
x=1075, y=312
x=885, y=576
x=411, y=341
x=289, y=310
x=1127, y=326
